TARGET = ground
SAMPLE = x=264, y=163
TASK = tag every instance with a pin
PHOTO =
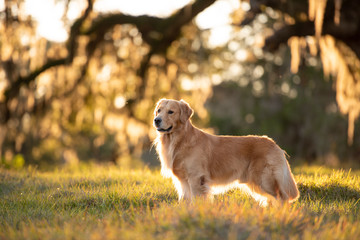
x=106, y=202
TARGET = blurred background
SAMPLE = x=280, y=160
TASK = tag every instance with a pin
x=79, y=79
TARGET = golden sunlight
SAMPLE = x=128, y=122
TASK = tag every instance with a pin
x=159, y=8
x=52, y=26
x=49, y=21
x=217, y=19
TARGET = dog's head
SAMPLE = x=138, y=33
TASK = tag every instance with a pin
x=170, y=115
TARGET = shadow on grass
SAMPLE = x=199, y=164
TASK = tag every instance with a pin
x=117, y=202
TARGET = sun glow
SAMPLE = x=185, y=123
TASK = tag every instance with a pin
x=49, y=14
x=48, y=18
x=159, y=8
x=219, y=26
x=51, y=24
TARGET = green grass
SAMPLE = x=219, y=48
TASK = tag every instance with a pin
x=110, y=203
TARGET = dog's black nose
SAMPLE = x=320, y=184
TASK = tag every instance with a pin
x=157, y=121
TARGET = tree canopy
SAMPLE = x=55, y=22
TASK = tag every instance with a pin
x=98, y=88
x=335, y=27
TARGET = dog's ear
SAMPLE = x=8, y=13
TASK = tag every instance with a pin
x=186, y=111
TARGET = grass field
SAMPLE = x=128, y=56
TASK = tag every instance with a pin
x=109, y=203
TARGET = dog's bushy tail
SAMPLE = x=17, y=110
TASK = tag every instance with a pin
x=286, y=183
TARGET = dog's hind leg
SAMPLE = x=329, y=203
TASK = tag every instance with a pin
x=264, y=184
x=269, y=187
x=268, y=183
x=281, y=178
x=287, y=188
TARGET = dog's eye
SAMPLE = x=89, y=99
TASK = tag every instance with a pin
x=159, y=110
x=170, y=112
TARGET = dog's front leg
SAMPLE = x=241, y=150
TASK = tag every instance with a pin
x=199, y=186
x=185, y=192
x=182, y=188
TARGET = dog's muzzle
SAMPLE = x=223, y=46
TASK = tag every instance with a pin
x=157, y=123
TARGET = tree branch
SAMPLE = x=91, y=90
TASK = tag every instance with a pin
x=282, y=35
x=159, y=33
x=347, y=30
x=343, y=32
x=155, y=31
x=75, y=31
x=14, y=89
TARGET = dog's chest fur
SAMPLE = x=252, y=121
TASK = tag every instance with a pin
x=167, y=148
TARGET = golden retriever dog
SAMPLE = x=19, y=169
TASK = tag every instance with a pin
x=199, y=162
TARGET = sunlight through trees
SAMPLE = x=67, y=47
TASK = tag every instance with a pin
x=288, y=69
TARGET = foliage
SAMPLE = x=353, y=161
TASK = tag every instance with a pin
x=285, y=110
x=109, y=202
x=258, y=94
x=91, y=97
x=335, y=24
x=17, y=162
